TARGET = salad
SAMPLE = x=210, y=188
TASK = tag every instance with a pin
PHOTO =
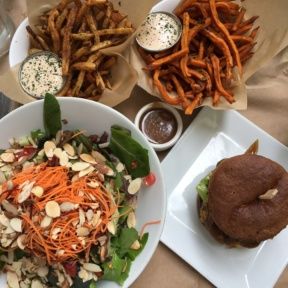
x=67, y=205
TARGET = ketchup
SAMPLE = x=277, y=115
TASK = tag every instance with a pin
x=159, y=125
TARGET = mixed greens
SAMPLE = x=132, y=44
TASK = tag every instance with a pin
x=116, y=167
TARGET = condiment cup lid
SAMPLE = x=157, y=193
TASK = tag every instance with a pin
x=179, y=24
x=176, y=114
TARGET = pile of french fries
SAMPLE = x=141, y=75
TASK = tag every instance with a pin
x=77, y=31
x=215, y=39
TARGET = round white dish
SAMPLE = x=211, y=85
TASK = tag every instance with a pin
x=161, y=105
x=96, y=118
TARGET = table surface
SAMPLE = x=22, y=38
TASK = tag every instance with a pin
x=265, y=110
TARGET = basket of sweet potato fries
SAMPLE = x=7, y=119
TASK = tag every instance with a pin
x=217, y=40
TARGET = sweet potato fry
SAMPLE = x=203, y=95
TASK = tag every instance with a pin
x=217, y=78
x=180, y=92
x=186, y=4
x=167, y=98
x=225, y=32
x=238, y=19
x=101, y=45
x=157, y=63
x=194, y=103
x=38, y=39
x=61, y=18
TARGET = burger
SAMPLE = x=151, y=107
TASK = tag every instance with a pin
x=244, y=200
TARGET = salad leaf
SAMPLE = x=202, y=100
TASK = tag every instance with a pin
x=116, y=269
x=92, y=284
x=52, y=115
x=130, y=152
x=37, y=135
x=202, y=188
x=132, y=254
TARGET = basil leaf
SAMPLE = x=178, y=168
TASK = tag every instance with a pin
x=202, y=188
x=52, y=115
x=130, y=152
x=116, y=269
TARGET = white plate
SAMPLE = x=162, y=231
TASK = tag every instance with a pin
x=19, y=44
x=212, y=136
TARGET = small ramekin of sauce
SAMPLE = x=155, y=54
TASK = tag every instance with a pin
x=41, y=73
x=160, y=123
x=159, y=31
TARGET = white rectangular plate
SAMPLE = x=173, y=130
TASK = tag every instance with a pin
x=212, y=136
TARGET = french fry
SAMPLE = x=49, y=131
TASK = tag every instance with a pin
x=54, y=32
x=66, y=46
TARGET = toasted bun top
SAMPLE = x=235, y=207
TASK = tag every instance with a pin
x=234, y=203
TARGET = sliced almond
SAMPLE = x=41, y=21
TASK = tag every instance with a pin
x=6, y=242
x=69, y=149
x=91, y=267
x=134, y=186
x=79, y=166
x=37, y=191
x=21, y=241
x=86, y=171
x=36, y=284
x=268, y=195
x=89, y=215
x=25, y=193
x=52, y=209
x=80, y=148
x=57, y=152
x=120, y=167
x=9, y=207
x=81, y=217
x=75, y=178
x=131, y=220
x=46, y=221
x=87, y=158
x=111, y=227
x=93, y=184
x=55, y=233
x=60, y=252
x=4, y=220
x=74, y=246
x=63, y=159
x=49, y=147
x=2, y=177
x=42, y=271
x=7, y=157
x=82, y=231
x=136, y=245
x=10, y=185
x=98, y=156
x=12, y=279
x=68, y=206
x=95, y=219
x=16, y=224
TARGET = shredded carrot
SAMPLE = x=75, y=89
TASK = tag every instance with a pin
x=55, y=181
x=148, y=224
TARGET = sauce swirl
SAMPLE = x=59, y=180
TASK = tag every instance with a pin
x=159, y=31
x=158, y=125
x=40, y=74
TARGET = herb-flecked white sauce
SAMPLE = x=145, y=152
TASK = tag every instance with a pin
x=41, y=74
x=159, y=31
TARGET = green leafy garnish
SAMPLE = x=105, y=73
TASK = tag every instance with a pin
x=130, y=152
x=117, y=269
x=202, y=188
x=37, y=135
x=51, y=115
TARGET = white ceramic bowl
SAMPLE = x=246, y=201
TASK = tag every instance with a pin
x=96, y=118
x=161, y=105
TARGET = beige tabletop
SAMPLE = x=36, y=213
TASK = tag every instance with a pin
x=267, y=108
